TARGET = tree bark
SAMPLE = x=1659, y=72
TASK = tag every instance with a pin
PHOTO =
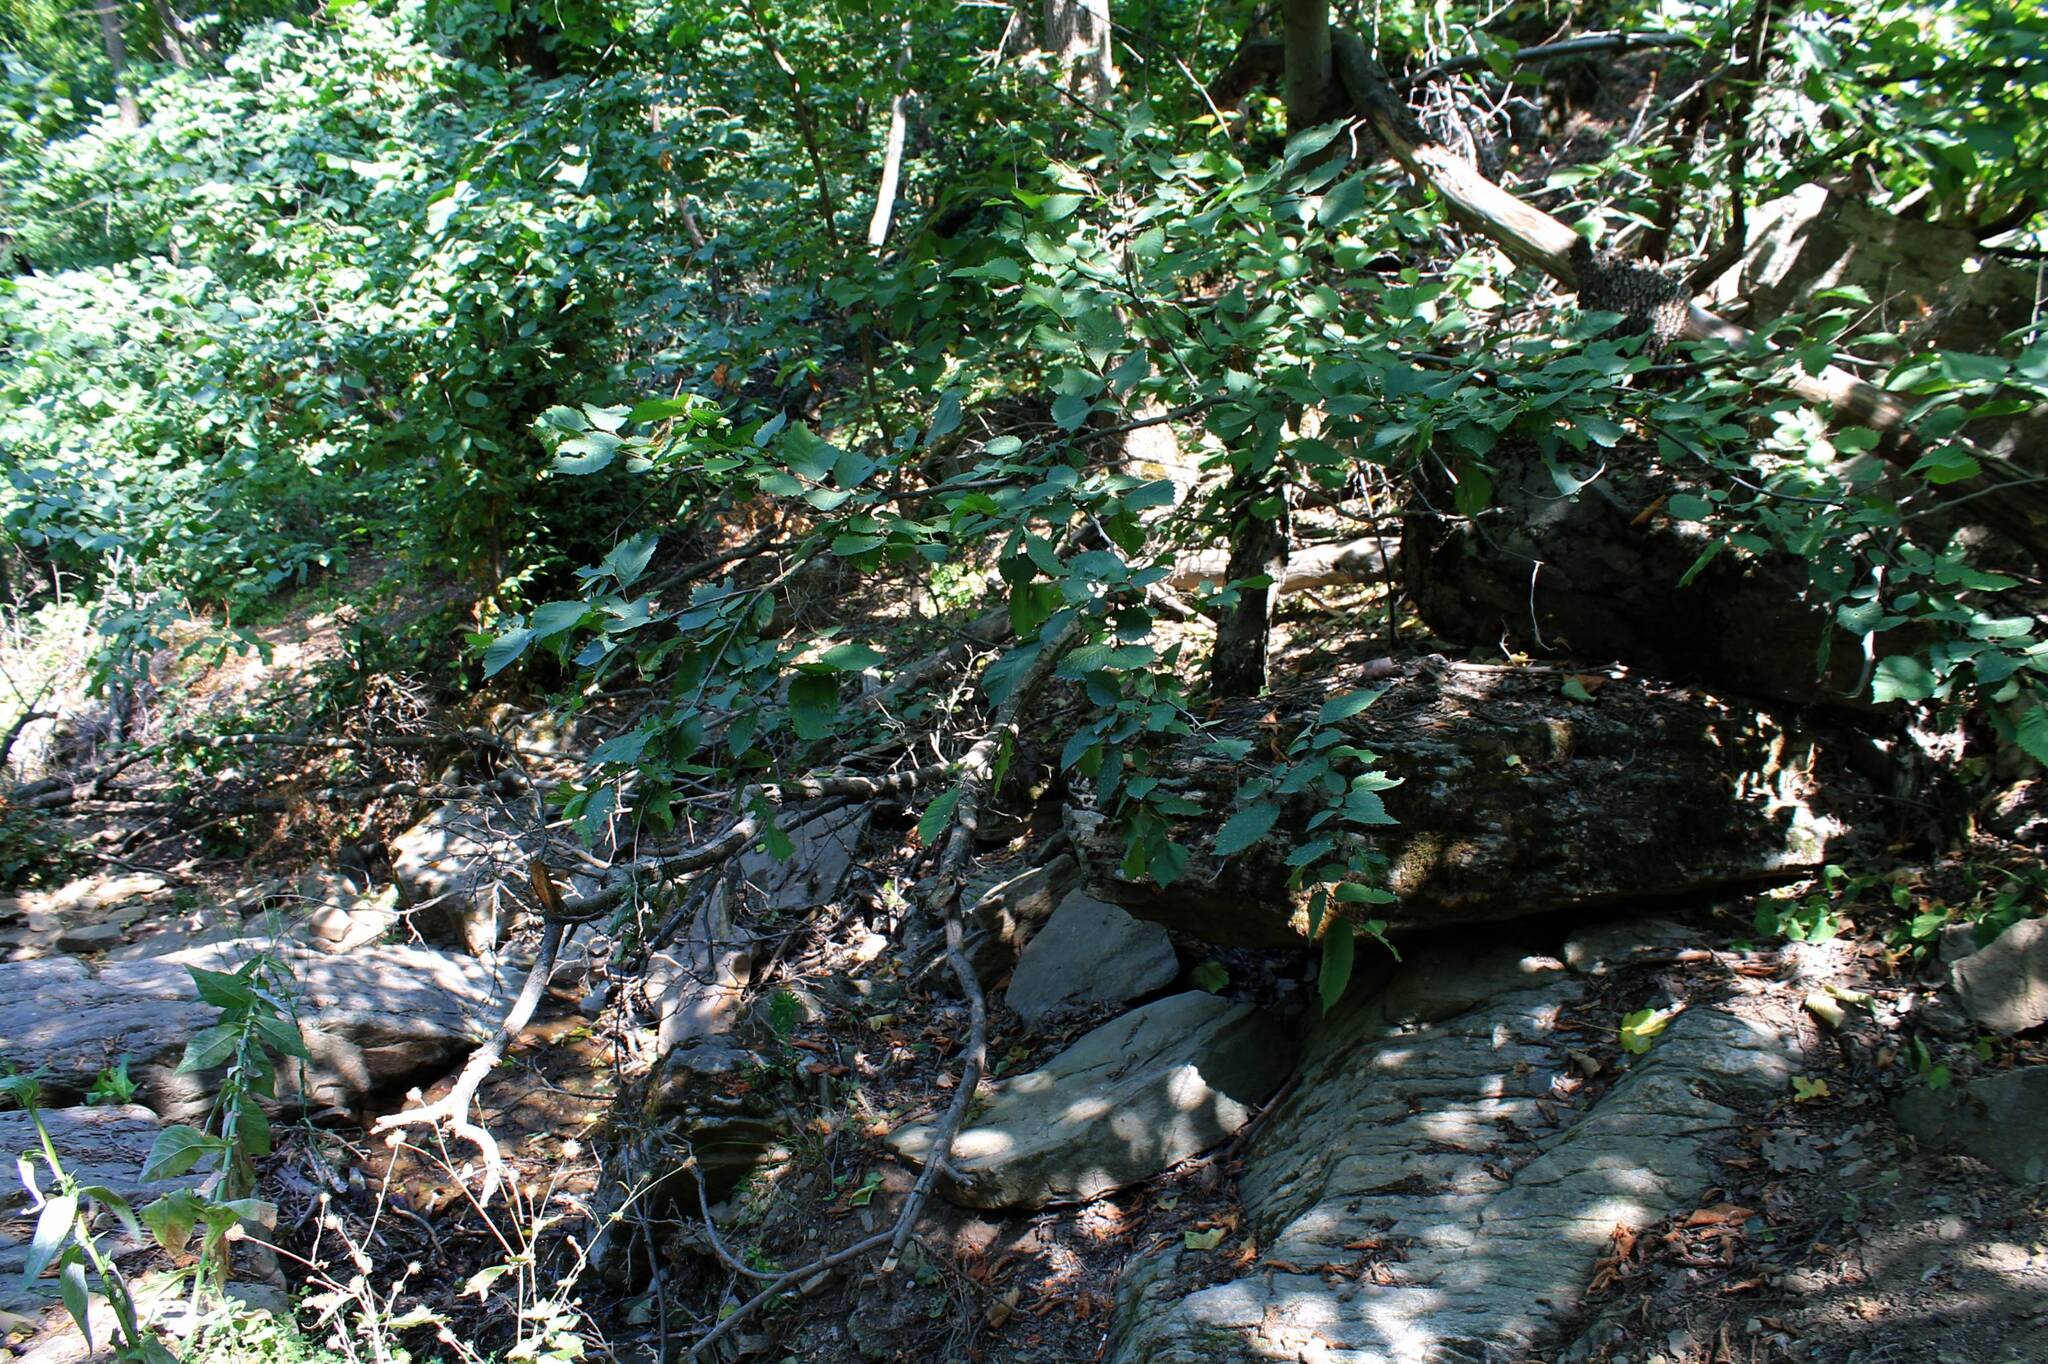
x=1258, y=549
x=116, y=42
x=1077, y=36
x=1308, y=79
x=892, y=151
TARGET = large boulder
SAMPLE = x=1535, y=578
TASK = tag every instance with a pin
x=105, y=1146
x=463, y=875
x=1128, y=1100
x=1089, y=953
x=1438, y=1185
x=1515, y=800
x=1608, y=572
x=380, y=1018
x=1998, y=1119
x=2005, y=986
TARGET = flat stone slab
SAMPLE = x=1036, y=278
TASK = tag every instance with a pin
x=2005, y=986
x=106, y=1146
x=1089, y=953
x=376, y=1018
x=1451, y=1131
x=1999, y=1119
x=1130, y=1099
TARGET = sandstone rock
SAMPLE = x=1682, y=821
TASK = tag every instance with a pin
x=1089, y=953
x=1427, y=1138
x=379, y=1018
x=91, y=938
x=812, y=875
x=2004, y=986
x=1998, y=1119
x=1128, y=1100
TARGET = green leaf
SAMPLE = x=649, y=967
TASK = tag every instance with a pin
x=505, y=650
x=1333, y=976
x=1202, y=1240
x=555, y=617
x=176, y=1150
x=813, y=704
x=54, y=1226
x=171, y=1219
x=851, y=657
x=2030, y=732
x=1901, y=678
x=588, y=453
x=937, y=816
x=221, y=989
x=1343, y=203
x=1245, y=828
x=1575, y=690
x=1643, y=1027
x=71, y=1288
x=1339, y=708
x=1211, y=975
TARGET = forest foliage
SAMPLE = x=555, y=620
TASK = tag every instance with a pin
x=556, y=305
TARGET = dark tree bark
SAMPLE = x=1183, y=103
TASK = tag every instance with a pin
x=1309, y=78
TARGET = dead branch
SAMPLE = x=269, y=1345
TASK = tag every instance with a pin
x=1585, y=45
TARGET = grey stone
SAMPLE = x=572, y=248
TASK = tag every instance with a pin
x=378, y=1018
x=461, y=875
x=1089, y=953
x=1001, y=920
x=91, y=938
x=2004, y=985
x=106, y=1146
x=1456, y=1143
x=1999, y=1119
x=814, y=872
x=1130, y=1099
x=1600, y=948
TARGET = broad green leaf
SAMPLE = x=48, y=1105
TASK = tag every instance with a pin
x=1343, y=203
x=1333, y=976
x=1340, y=708
x=851, y=657
x=54, y=1225
x=1245, y=828
x=505, y=650
x=176, y=1150
x=813, y=704
x=937, y=816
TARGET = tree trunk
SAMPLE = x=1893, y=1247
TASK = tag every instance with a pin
x=892, y=151
x=117, y=58
x=1308, y=77
x=1077, y=36
x=1258, y=549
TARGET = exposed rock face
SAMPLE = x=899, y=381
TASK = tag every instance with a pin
x=1599, y=575
x=1089, y=953
x=1930, y=280
x=1998, y=1119
x=1002, y=918
x=1133, y=1097
x=461, y=876
x=106, y=1146
x=381, y=1017
x=2005, y=986
x=1513, y=802
x=1437, y=1132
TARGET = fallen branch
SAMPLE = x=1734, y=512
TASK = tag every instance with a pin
x=1585, y=45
